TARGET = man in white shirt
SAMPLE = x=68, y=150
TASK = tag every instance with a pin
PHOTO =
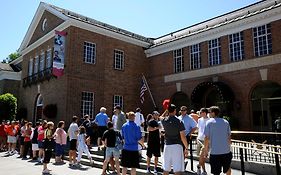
x=200, y=140
x=73, y=134
x=139, y=120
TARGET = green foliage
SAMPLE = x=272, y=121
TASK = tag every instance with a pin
x=11, y=57
x=8, y=106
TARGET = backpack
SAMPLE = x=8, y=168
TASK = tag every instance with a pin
x=118, y=142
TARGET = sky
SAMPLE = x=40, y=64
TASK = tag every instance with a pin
x=150, y=18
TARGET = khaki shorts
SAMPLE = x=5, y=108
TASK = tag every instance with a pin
x=200, y=147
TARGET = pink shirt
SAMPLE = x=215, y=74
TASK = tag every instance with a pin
x=60, y=136
x=41, y=132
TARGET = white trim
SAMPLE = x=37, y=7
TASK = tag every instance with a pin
x=35, y=21
x=8, y=75
x=106, y=32
x=219, y=69
x=224, y=30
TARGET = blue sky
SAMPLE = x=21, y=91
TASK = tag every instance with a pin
x=150, y=18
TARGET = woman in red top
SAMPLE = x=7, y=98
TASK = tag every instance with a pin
x=27, y=141
x=3, y=136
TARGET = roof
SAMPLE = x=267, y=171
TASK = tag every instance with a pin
x=97, y=23
x=5, y=67
x=216, y=22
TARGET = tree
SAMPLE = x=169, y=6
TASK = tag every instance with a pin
x=11, y=57
x=8, y=106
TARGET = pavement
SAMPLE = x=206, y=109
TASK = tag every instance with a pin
x=16, y=166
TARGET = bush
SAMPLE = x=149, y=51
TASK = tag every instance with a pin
x=8, y=106
x=50, y=111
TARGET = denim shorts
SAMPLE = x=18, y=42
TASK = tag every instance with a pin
x=111, y=151
x=40, y=145
x=59, y=149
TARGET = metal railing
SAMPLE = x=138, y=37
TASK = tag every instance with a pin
x=43, y=75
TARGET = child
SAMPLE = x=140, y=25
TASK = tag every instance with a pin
x=48, y=146
x=82, y=146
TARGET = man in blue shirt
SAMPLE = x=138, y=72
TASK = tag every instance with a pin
x=218, y=140
x=190, y=124
x=131, y=133
x=101, y=120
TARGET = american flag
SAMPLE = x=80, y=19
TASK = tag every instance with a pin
x=143, y=89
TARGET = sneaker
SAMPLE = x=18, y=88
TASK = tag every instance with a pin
x=46, y=171
x=204, y=173
x=198, y=170
x=155, y=171
x=148, y=170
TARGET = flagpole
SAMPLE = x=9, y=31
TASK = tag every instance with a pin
x=144, y=79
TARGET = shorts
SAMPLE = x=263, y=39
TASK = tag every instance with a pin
x=101, y=130
x=12, y=139
x=40, y=145
x=59, y=149
x=73, y=145
x=220, y=161
x=130, y=159
x=153, y=150
x=35, y=147
x=112, y=151
x=173, y=156
x=21, y=140
x=200, y=147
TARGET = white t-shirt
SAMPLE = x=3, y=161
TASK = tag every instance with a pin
x=71, y=131
x=139, y=118
x=114, y=121
x=201, y=127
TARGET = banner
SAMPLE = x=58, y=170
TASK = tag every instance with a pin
x=58, y=55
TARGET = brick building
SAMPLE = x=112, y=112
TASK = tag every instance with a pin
x=232, y=60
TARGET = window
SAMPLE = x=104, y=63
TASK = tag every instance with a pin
x=36, y=63
x=118, y=100
x=87, y=103
x=30, y=67
x=118, y=59
x=195, y=57
x=178, y=60
x=214, y=52
x=49, y=58
x=42, y=62
x=236, y=46
x=262, y=40
x=89, y=52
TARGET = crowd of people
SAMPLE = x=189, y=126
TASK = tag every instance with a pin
x=123, y=136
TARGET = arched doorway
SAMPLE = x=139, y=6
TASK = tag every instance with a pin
x=265, y=103
x=38, y=109
x=208, y=94
x=180, y=99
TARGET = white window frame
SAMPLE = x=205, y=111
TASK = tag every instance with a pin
x=195, y=56
x=118, y=59
x=259, y=39
x=214, y=52
x=118, y=100
x=36, y=64
x=42, y=61
x=30, y=67
x=87, y=103
x=178, y=60
x=236, y=41
x=89, y=52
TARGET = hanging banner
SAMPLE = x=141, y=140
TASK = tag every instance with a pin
x=58, y=55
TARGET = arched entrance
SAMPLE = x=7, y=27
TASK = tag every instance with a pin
x=180, y=99
x=208, y=94
x=265, y=103
x=38, y=109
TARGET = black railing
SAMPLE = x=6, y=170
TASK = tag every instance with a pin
x=41, y=76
